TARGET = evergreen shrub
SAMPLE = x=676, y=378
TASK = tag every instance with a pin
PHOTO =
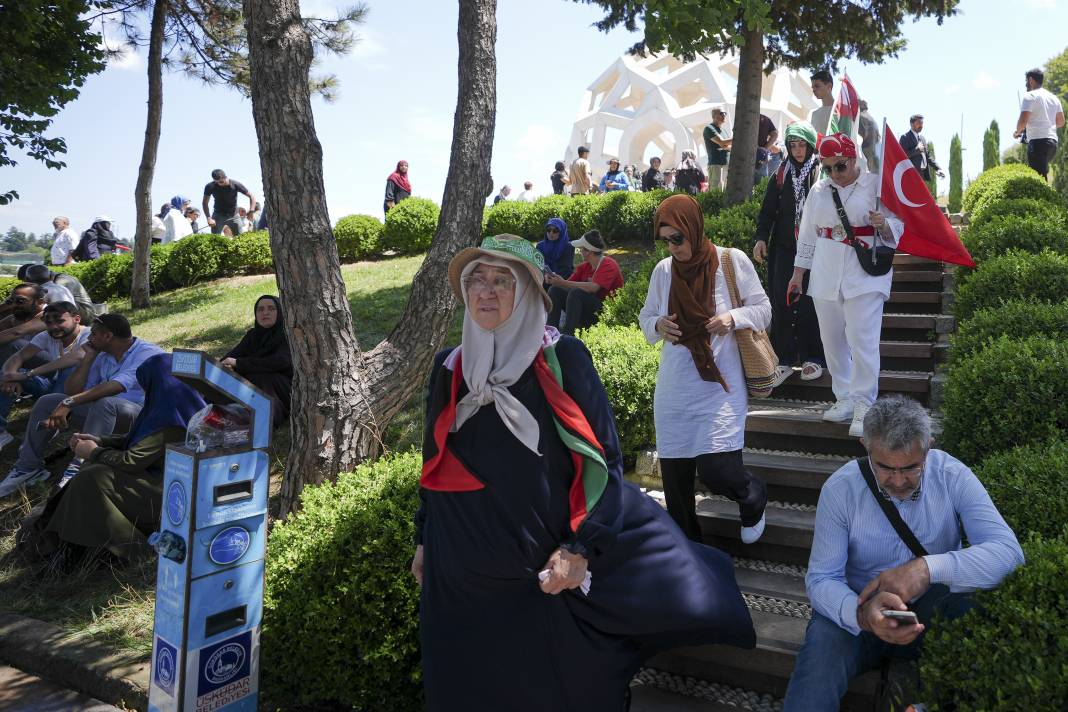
x=1017, y=188
x=410, y=226
x=627, y=365
x=622, y=308
x=1031, y=233
x=989, y=181
x=1011, y=393
x=341, y=613
x=1011, y=651
x=1027, y=484
x=508, y=217
x=358, y=237
x=1018, y=209
x=1041, y=277
x=6, y=285
x=1017, y=319
x=249, y=252
x=196, y=258
x=535, y=216
x=580, y=212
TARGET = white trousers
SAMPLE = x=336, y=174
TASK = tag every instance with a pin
x=850, y=330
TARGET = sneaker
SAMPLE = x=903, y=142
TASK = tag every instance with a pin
x=810, y=371
x=17, y=478
x=6, y=439
x=73, y=468
x=751, y=534
x=856, y=428
x=780, y=376
x=840, y=412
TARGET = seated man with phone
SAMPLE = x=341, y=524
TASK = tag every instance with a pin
x=887, y=554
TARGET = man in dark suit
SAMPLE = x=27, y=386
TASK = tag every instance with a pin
x=915, y=145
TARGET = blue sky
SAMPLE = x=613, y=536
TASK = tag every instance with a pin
x=398, y=95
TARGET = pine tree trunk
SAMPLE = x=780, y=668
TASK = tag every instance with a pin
x=139, y=292
x=343, y=399
x=741, y=172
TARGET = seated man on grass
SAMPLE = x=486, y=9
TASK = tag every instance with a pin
x=578, y=298
x=66, y=284
x=59, y=345
x=21, y=319
x=102, y=393
x=861, y=566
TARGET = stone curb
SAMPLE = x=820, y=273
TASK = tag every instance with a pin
x=90, y=667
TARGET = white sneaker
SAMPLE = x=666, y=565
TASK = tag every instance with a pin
x=856, y=428
x=781, y=374
x=814, y=371
x=840, y=412
x=16, y=479
x=751, y=534
x=6, y=439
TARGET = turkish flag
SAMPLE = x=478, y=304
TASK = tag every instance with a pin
x=902, y=190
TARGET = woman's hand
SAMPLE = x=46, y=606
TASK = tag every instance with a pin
x=760, y=251
x=796, y=283
x=228, y=363
x=668, y=328
x=82, y=445
x=417, y=565
x=877, y=220
x=720, y=324
x=566, y=570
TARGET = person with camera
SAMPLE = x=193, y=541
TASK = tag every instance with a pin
x=887, y=554
x=847, y=242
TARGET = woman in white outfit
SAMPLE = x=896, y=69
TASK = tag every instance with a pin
x=701, y=400
x=848, y=300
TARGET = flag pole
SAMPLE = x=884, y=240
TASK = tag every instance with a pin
x=882, y=167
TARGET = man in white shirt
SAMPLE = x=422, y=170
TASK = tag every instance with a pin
x=848, y=300
x=527, y=196
x=1041, y=114
x=64, y=240
x=823, y=89
x=581, y=173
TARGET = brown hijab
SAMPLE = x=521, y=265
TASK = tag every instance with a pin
x=693, y=283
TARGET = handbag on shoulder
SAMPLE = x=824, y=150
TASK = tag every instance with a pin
x=876, y=260
x=759, y=360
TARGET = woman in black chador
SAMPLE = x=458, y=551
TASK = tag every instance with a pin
x=546, y=579
x=262, y=356
x=795, y=332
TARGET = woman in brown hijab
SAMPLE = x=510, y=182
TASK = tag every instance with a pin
x=701, y=399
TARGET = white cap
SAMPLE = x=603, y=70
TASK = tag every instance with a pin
x=101, y=218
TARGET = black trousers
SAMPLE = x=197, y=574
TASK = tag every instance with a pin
x=1040, y=152
x=795, y=330
x=582, y=309
x=721, y=472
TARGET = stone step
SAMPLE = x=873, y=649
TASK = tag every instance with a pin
x=901, y=326
x=910, y=355
x=920, y=275
x=792, y=476
x=650, y=698
x=787, y=535
x=916, y=384
x=916, y=301
x=903, y=260
x=796, y=425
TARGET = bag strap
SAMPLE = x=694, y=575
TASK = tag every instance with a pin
x=890, y=511
x=842, y=213
x=728, y=274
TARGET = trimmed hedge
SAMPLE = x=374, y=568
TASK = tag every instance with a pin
x=1017, y=319
x=1016, y=187
x=1003, y=232
x=6, y=285
x=627, y=365
x=1011, y=393
x=196, y=258
x=1019, y=208
x=410, y=226
x=358, y=237
x=990, y=181
x=1016, y=275
x=1011, y=651
x=622, y=308
x=341, y=613
x=1027, y=484
x=249, y=252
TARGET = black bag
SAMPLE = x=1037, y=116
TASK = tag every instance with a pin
x=876, y=260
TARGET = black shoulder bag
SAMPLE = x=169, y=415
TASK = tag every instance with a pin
x=890, y=511
x=877, y=260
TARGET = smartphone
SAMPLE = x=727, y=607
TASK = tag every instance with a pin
x=906, y=617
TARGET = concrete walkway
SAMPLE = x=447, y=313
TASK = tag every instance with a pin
x=20, y=692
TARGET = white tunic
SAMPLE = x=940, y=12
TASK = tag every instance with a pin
x=693, y=416
x=835, y=267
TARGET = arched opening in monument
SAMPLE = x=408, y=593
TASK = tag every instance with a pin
x=661, y=146
x=612, y=136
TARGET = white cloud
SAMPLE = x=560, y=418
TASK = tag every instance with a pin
x=367, y=45
x=952, y=88
x=984, y=81
x=126, y=58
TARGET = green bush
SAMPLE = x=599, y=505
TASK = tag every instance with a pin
x=358, y=237
x=1027, y=484
x=508, y=217
x=250, y=252
x=1031, y=233
x=106, y=277
x=535, y=216
x=341, y=613
x=627, y=365
x=410, y=226
x=1011, y=651
x=1041, y=277
x=196, y=258
x=6, y=285
x=1016, y=188
x=1018, y=209
x=711, y=202
x=622, y=308
x=1017, y=319
x=989, y=181
x=580, y=214
x=1008, y=394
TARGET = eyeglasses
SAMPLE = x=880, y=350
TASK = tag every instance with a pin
x=910, y=471
x=552, y=229
x=502, y=284
x=677, y=239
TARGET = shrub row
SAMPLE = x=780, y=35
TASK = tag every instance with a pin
x=990, y=181
x=1028, y=232
x=1016, y=188
x=1017, y=319
x=1015, y=275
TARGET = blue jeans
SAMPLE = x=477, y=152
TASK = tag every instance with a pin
x=831, y=656
x=36, y=386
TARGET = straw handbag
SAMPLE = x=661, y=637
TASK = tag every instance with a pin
x=758, y=356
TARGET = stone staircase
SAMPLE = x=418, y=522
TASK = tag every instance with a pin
x=794, y=450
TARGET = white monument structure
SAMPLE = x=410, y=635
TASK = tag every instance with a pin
x=659, y=105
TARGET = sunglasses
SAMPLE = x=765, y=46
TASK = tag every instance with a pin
x=677, y=239
x=839, y=167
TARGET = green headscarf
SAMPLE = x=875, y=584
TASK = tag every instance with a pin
x=802, y=130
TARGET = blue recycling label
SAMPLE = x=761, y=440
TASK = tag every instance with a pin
x=165, y=666
x=229, y=545
x=177, y=503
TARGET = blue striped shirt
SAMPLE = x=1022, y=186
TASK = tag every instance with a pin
x=854, y=541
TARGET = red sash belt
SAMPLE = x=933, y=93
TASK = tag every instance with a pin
x=863, y=231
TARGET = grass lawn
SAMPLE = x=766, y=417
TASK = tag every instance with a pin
x=115, y=605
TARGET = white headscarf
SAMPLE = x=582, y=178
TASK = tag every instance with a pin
x=494, y=360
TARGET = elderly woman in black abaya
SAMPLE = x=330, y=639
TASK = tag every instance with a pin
x=262, y=356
